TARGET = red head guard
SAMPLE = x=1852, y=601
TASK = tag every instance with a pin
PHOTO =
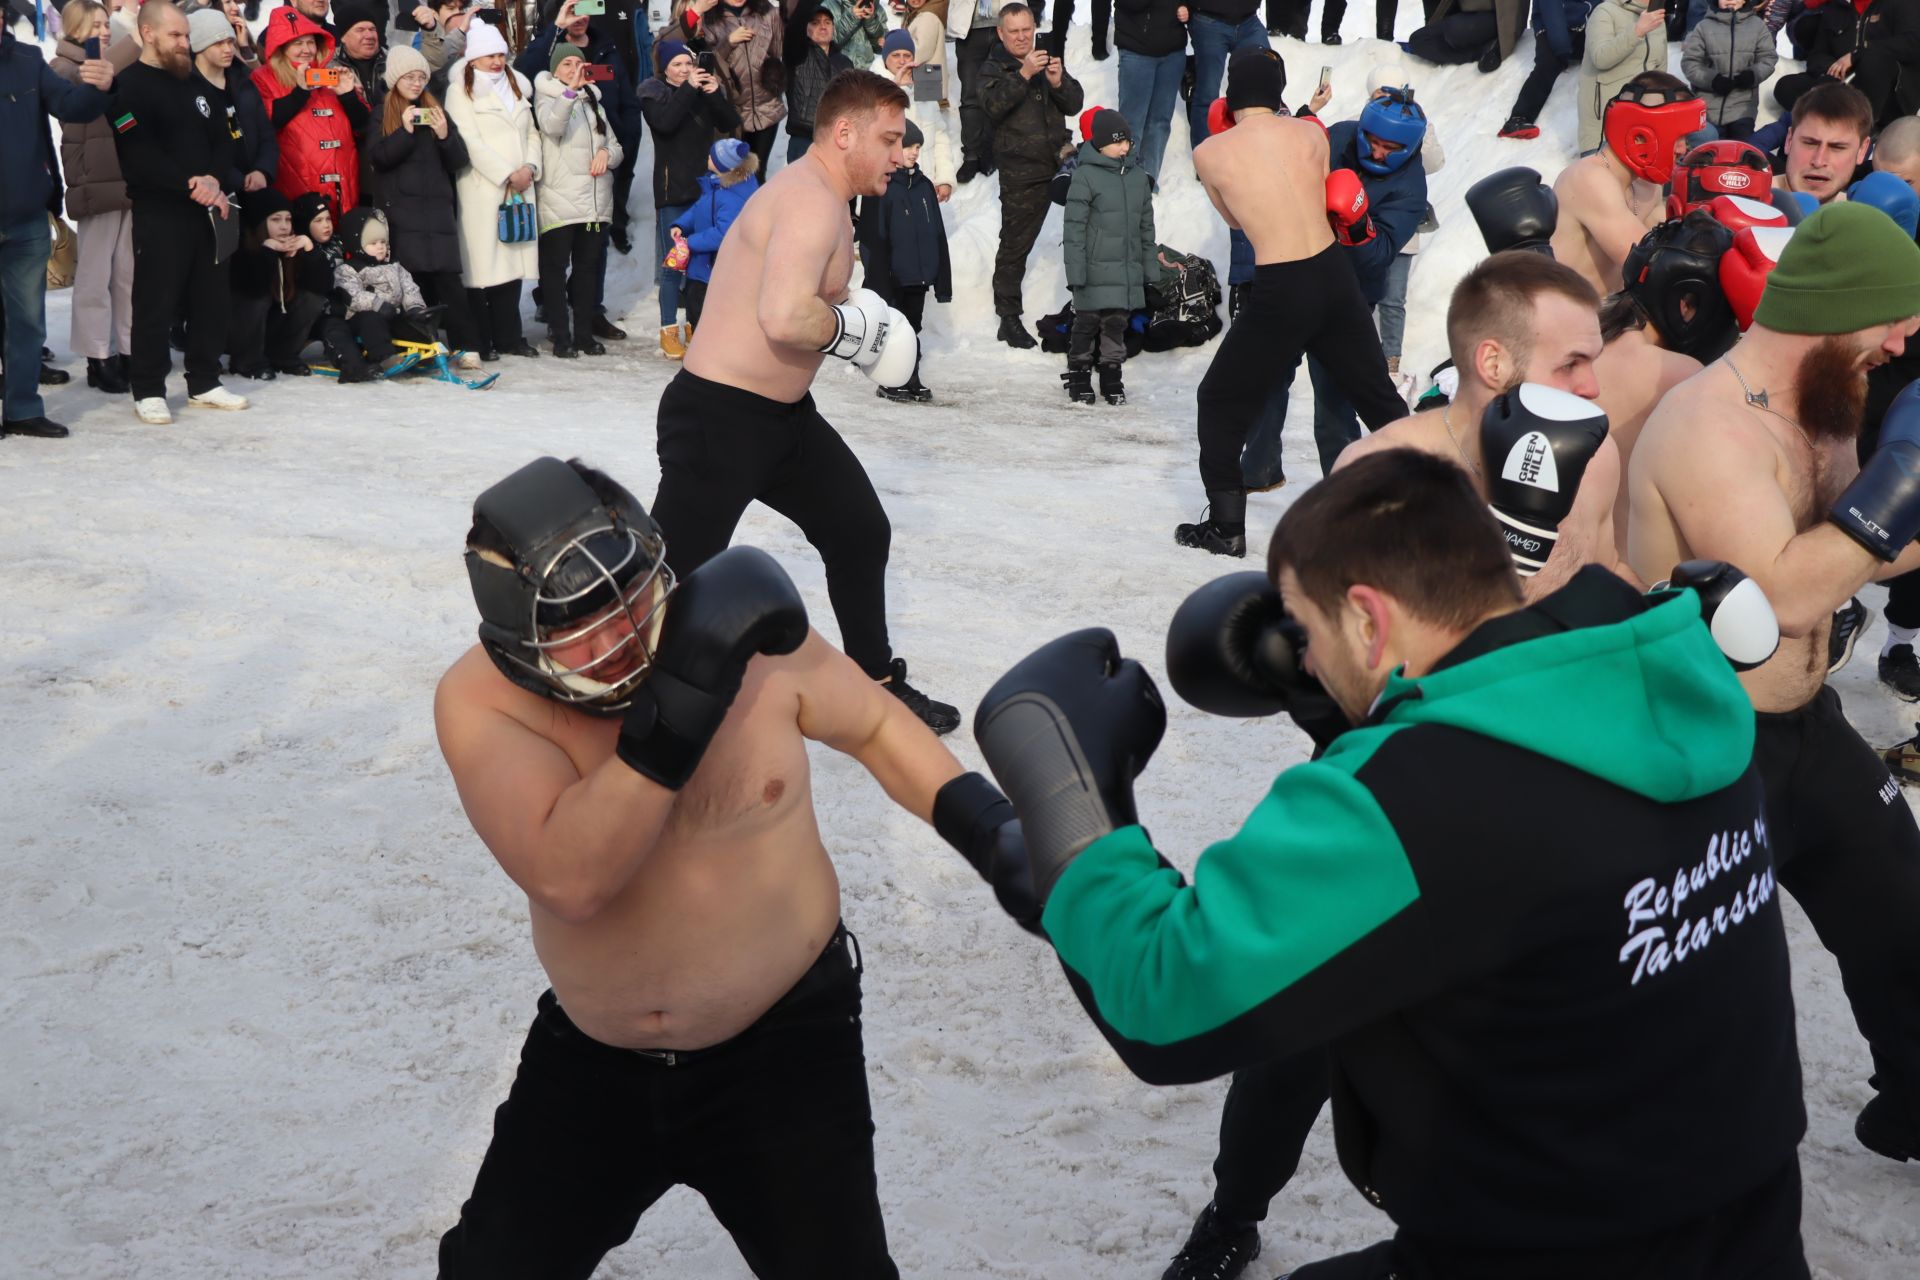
x=1720, y=168
x=1644, y=137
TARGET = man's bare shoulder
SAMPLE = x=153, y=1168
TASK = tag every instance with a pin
x=1675, y=369
x=1425, y=431
x=799, y=182
x=1698, y=422
x=1583, y=182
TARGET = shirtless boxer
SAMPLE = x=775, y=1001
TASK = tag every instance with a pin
x=737, y=423
x=1520, y=317
x=1262, y=175
x=634, y=755
x=1827, y=140
x=1752, y=461
x=1608, y=200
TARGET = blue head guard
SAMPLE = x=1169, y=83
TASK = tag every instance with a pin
x=1392, y=117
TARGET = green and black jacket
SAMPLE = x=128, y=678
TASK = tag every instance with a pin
x=1528, y=907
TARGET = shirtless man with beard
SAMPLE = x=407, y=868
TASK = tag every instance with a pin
x=1610, y=199
x=1518, y=318
x=634, y=754
x=1752, y=461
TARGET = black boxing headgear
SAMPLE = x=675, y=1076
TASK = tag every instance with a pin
x=1256, y=78
x=1674, y=274
x=553, y=564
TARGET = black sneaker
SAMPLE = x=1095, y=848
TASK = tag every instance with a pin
x=1215, y=1250
x=939, y=716
x=607, y=330
x=1519, y=127
x=898, y=395
x=1900, y=672
x=1014, y=334
x=1208, y=536
x=44, y=428
x=1849, y=620
x=1883, y=1129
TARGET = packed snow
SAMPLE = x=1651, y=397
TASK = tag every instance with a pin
x=265, y=987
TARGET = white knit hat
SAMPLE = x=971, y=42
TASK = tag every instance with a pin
x=483, y=38
x=1387, y=75
x=404, y=59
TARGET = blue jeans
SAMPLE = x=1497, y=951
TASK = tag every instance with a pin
x=670, y=282
x=1391, y=311
x=1213, y=43
x=24, y=247
x=1149, y=90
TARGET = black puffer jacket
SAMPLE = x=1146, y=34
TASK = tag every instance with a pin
x=1029, y=116
x=415, y=191
x=1836, y=29
x=685, y=123
x=1150, y=28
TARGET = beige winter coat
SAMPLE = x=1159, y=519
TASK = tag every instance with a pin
x=499, y=140
x=1614, y=56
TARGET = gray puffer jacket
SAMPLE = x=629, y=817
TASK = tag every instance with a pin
x=1728, y=43
x=367, y=284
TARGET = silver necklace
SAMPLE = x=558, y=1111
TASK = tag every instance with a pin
x=1758, y=400
x=1446, y=420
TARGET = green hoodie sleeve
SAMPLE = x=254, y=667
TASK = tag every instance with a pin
x=1177, y=975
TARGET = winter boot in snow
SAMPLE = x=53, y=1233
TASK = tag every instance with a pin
x=1112, y=390
x=1885, y=1127
x=670, y=344
x=1079, y=380
x=1224, y=530
x=1013, y=332
x=1216, y=1250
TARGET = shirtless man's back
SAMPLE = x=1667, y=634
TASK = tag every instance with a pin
x=1610, y=199
x=1746, y=462
x=737, y=423
x=1634, y=374
x=633, y=753
x=1267, y=176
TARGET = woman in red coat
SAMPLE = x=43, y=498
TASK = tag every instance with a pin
x=315, y=124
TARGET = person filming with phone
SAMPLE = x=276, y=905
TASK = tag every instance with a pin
x=318, y=110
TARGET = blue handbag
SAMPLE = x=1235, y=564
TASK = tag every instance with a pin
x=516, y=220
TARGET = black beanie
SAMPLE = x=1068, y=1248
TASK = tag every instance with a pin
x=912, y=137
x=1109, y=127
x=261, y=205
x=1255, y=78
x=348, y=13
x=308, y=207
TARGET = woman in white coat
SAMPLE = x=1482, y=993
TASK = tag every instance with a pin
x=578, y=154
x=491, y=105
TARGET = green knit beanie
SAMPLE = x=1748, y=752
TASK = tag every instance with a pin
x=1847, y=267
x=562, y=50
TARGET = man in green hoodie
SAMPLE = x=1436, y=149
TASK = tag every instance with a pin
x=1525, y=904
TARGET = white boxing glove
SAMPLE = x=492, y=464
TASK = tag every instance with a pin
x=876, y=337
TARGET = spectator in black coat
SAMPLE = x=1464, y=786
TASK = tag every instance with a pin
x=903, y=246
x=256, y=146
x=1875, y=47
x=416, y=151
x=281, y=284
x=811, y=61
x=686, y=111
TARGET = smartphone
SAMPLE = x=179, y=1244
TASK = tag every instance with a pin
x=92, y=48
x=708, y=63
x=419, y=115
x=926, y=82
x=1326, y=76
x=598, y=72
x=589, y=8
x=322, y=77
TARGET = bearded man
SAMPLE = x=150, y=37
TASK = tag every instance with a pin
x=1752, y=461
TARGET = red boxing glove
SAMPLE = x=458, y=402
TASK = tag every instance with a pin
x=1219, y=119
x=1745, y=267
x=1737, y=212
x=1347, y=208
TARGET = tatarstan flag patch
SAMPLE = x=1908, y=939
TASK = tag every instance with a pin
x=124, y=123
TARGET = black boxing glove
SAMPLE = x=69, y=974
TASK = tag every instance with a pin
x=1881, y=508
x=1233, y=651
x=1734, y=608
x=1066, y=732
x=736, y=605
x=1514, y=210
x=1535, y=444
x=971, y=815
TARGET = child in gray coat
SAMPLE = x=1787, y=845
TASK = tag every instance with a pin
x=375, y=296
x=1728, y=55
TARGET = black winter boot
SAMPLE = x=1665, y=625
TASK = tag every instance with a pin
x=1112, y=390
x=1014, y=333
x=1224, y=530
x=106, y=375
x=1216, y=1250
x=1079, y=380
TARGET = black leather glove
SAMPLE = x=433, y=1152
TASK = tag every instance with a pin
x=1722, y=85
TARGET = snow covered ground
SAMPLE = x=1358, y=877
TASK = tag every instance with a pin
x=263, y=987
